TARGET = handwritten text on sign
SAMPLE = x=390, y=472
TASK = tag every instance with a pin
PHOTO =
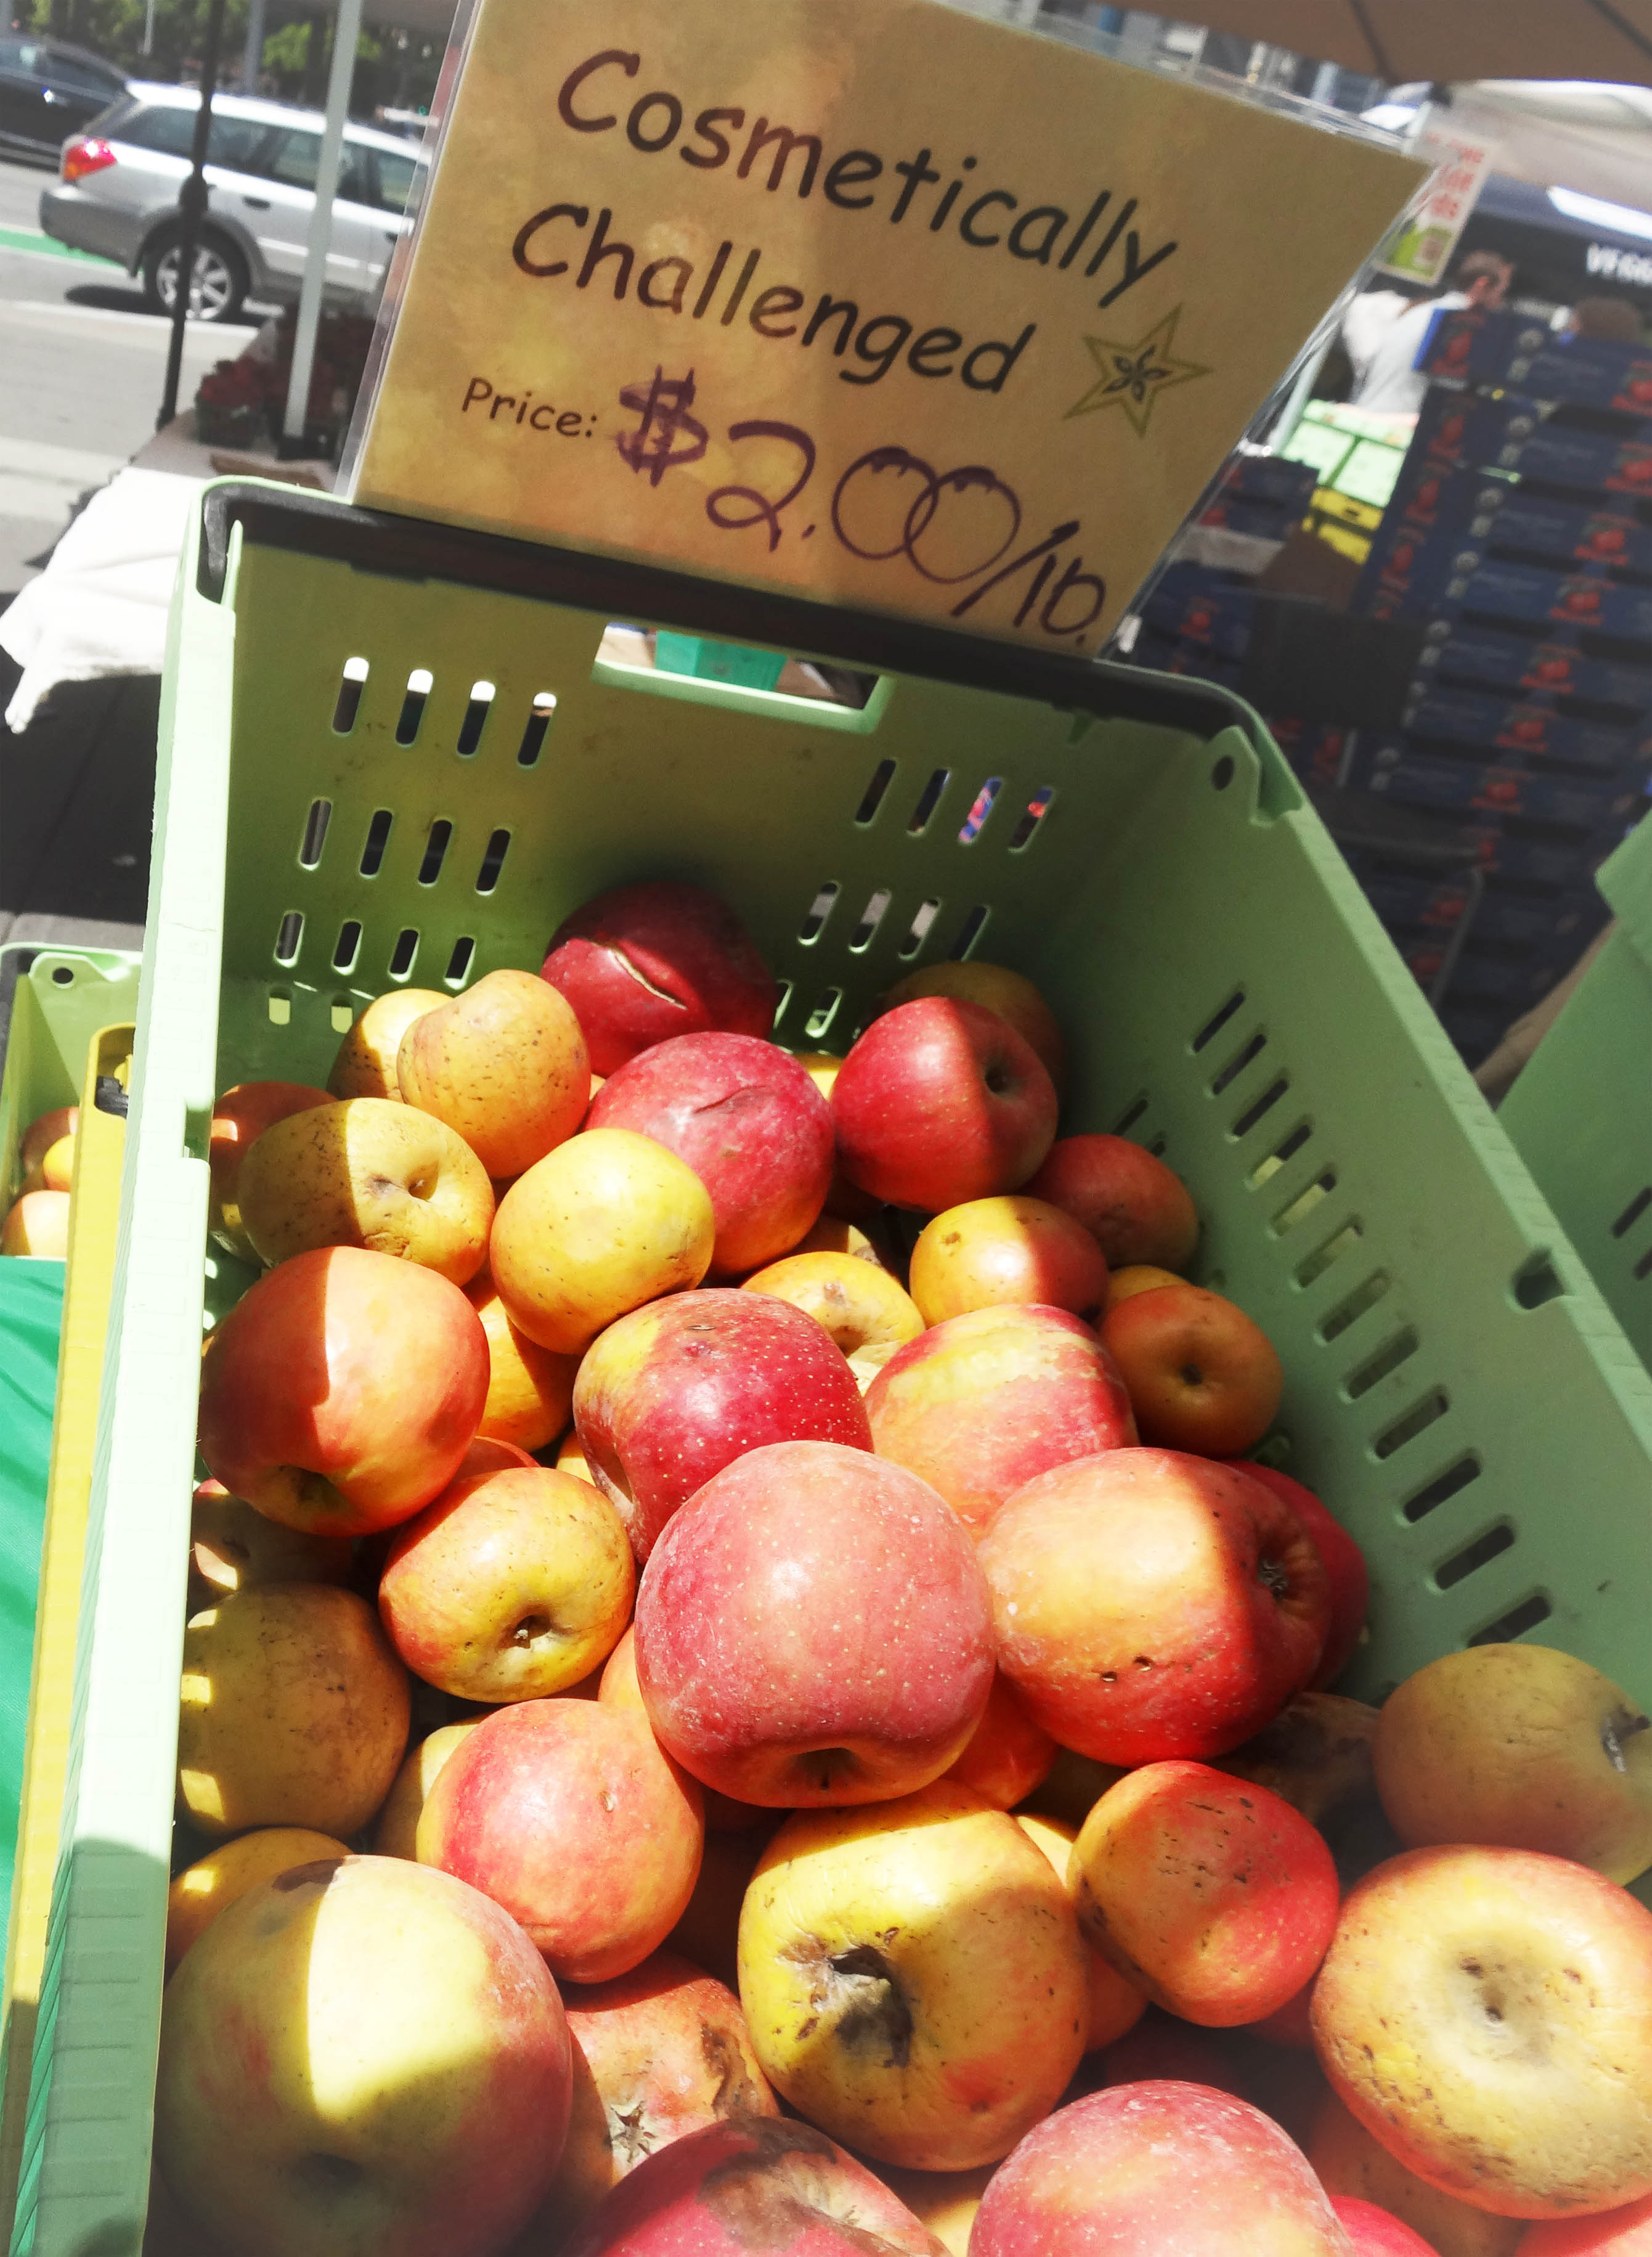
x=865, y=297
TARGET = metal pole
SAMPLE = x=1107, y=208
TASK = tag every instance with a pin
x=148, y=27
x=252, y=53
x=345, y=33
x=192, y=206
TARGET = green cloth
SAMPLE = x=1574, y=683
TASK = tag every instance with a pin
x=30, y=1316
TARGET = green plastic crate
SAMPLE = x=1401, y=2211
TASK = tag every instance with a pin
x=1454, y=1382
x=59, y=999
x=1580, y=1114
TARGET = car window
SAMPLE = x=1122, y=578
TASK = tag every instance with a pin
x=292, y=158
x=355, y=179
x=232, y=142
x=235, y=144
x=169, y=128
x=12, y=54
x=69, y=70
x=395, y=180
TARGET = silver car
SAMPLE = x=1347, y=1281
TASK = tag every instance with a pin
x=116, y=195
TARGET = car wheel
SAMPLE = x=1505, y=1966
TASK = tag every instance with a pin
x=219, y=285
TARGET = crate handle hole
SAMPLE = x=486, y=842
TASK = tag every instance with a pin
x=1474, y=1556
x=346, y=704
x=538, y=721
x=419, y=684
x=882, y=777
x=1214, y=1025
x=63, y=975
x=407, y=948
x=969, y=932
x=1516, y=1622
x=436, y=852
x=349, y=941
x=928, y=799
x=1037, y=808
x=459, y=963
x=492, y=862
x=289, y=938
x=975, y=821
x=1538, y=1281
x=377, y=839
x=1633, y=1212
x=476, y=715
x=1441, y=1489
x=1223, y=774
x=314, y=838
x=871, y=917
x=819, y=909
x=918, y=931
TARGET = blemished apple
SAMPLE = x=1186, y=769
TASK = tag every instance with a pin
x=1344, y=1565
x=224, y=1875
x=1376, y=2233
x=753, y=2184
x=657, y=2054
x=364, y=2055
x=642, y=963
x=1139, y=1210
x=1209, y=1893
x=505, y=1065
x=1007, y=1755
x=530, y=1388
x=1164, y=2168
x=912, y=1976
x=1350, y=2161
x=513, y=1586
x=1626, y=2232
x=1201, y=1374
x=944, y=2201
x=368, y=1172
x=1115, y=2004
x=995, y=988
x=233, y=1548
x=939, y=1102
x=38, y=1223
x=978, y=1405
x=1315, y=1754
x=1487, y=2014
x=855, y=1302
x=396, y=1831
x=1008, y=1251
x=750, y=1123
x=1150, y=1604
x=567, y=1813
x=366, y=1066
x=341, y=1391
x=1522, y=1747
x=814, y=1628
x=294, y=1711
x=46, y=1130
x=607, y=1220
x=669, y=1395
x=239, y=1118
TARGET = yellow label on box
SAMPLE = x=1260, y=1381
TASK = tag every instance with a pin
x=868, y=299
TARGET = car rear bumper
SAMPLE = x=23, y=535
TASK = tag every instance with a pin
x=87, y=223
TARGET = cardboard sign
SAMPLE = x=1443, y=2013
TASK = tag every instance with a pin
x=1423, y=247
x=868, y=299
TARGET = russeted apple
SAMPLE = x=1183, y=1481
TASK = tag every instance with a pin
x=341, y=1391
x=641, y=963
x=364, y=2055
x=671, y=1393
x=912, y=1976
x=814, y=1628
x=749, y=1123
x=505, y=1065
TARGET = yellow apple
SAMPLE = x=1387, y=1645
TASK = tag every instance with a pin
x=858, y=1304
x=38, y=1223
x=1115, y=2005
x=1348, y=2161
x=366, y=1066
x=396, y=1834
x=232, y=1548
x=505, y=1065
x=530, y=1389
x=216, y=1881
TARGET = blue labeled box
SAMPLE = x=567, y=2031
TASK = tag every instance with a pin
x=1512, y=351
x=1428, y=776
x=1530, y=731
x=1458, y=651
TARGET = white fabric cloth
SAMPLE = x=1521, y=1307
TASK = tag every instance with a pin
x=100, y=605
x=1392, y=385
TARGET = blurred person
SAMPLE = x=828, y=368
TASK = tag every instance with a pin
x=1392, y=385
x=1614, y=320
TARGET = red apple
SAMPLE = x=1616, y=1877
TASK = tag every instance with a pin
x=340, y=1393
x=1005, y=1252
x=1214, y=1896
x=1159, y=2169
x=995, y=988
x=753, y=2184
x=567, y=1813
x=1202, y=1375
x=641, y=963
x=814, y=1629
x=978, y=1405
x=671, y=1394
x=1137, y=1208
x=239, y=1118
x=1626, y=2232
x=750, y=1123
x=941, y=1101
x=1379, y=2233
x=1008, y=1755
x=1150, y=1604
x=1344, y=1565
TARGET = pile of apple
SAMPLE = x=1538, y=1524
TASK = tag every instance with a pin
x=38, y=1219
x=891, y=1724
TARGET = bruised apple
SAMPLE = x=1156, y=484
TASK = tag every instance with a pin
x=1011, y=1250
x=1344, y=1566
x=504, y=1065
x=641, y=963
x=366, y=1066
x=239, y=1118
x=340, y=1393
x=216, y=1882
x=1137, y=1209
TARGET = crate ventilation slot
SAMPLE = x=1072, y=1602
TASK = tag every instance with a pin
x=819, y=909
x=819, y=1020
x=459, y=963
x=1305, y=1201
x=476, y=715
x=315, y=838
x=1347, y=1312
x=407, y=948
x=280, y=1007
x=377, y=839
x=492, y=862
x=538, y=721
x=785, y=994
x=1536, y=1282
x=1441, y=1489
x=420, y=683
x=349, y=944
x=1131, y=1115
x=871, y=917
x=918, y=931
x=1262, y=1105
x=1416, y=1421
x=1268, y=1167
x=436, y=852
x=342, y=1015
x=1474, y=1556
x=1214, y=1025
x=1388, y=1358
x=1037, y=808
x=969, y=932
x=882, y=777
x=1335, y=1246
x=290, y=938
x=1633, y=1212
x=345, y=705
x=1238, y=1063
x=1516, y=1622
x=929, y=800
x=975, y=821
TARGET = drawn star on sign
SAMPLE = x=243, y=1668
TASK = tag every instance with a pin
x=1132, y=376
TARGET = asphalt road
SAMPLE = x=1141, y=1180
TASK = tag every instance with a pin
x=82, y=363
